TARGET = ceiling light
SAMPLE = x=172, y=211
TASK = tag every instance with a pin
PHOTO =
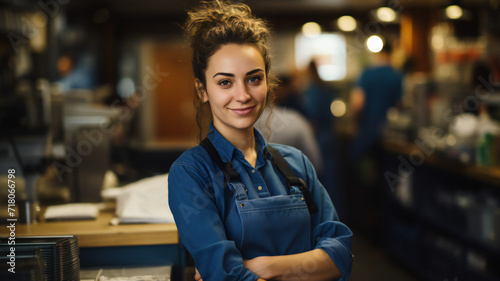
x=374, y=43
x=454, y=12
x=331, y=72
x=311, y=29
x=437, y=42
x=346, y=23
x=386, y=14
x=451, y=140
x=338, y=108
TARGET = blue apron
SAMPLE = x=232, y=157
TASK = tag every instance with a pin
x=272, y=225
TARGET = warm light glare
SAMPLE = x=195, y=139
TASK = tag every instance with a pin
x=454, y=12
x=311, y=29
x=386, y=14
x=374, y=43
x=346, y=23
x=330, y=72
x=329, y=51
x=451, y=140
x=126, y=87
x=437, y=42
x=338, y=108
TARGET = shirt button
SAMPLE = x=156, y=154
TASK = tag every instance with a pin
x=253, y=170
x=260, y=187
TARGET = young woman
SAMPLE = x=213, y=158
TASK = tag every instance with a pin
x=242, y=213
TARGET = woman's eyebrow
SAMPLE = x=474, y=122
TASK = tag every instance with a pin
x=254, y=71
x=225, y=74
x=232, y=75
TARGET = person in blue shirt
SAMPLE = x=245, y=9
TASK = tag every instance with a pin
x=378, y=88
x=253, y=226
x=318, y=96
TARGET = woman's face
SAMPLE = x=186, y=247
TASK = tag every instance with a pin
x=236, y=87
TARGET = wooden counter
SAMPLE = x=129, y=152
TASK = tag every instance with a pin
x=99, y=233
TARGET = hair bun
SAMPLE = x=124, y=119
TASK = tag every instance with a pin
x=207, y=19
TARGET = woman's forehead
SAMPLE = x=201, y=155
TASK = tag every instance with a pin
x=235, y=59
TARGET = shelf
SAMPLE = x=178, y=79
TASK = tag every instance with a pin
x=492, y=99
x=449, y=224
x=458, y=233
x=489, y=175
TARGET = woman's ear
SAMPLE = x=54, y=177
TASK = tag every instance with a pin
x=200, y=90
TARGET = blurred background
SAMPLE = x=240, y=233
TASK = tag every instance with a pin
x=399, y=101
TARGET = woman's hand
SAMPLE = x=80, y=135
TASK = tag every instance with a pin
x=197, y=275
x=262, y=266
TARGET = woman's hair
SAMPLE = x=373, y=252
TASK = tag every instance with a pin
x=217, y=23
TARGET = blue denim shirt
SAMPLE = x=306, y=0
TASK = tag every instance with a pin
x=200, y=205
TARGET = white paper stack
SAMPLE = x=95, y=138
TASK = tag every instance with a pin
x=73, y=211
x=144, y=201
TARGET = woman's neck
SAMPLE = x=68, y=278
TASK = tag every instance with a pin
x=244, y=140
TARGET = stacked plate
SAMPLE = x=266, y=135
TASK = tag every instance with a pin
x=28, y=265
x=59, y=254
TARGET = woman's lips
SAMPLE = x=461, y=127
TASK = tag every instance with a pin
x=243, y=111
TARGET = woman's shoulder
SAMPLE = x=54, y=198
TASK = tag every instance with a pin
x=297, y=160
x=284, y=149
x=194, y=158
x=291, y=154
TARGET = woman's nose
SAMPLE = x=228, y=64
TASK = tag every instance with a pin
x=242, y=94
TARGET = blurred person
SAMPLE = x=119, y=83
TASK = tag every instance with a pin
x=237, y=214
x=287, y=95
x=318, y=96
x=288, y=126
x=76, y=72
x=378, y=88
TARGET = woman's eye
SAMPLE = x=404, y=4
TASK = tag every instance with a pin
x=224, y=83
x=254, y=79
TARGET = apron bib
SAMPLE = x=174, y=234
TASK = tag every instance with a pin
x=270, y=226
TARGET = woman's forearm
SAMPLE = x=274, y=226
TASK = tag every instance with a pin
x=313, y=265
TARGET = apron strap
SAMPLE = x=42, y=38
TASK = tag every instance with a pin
x=291, y=179
x=239, y=190
x=228, y=170
x=232, y=176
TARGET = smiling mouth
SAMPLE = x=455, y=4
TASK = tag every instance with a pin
x=243, y=111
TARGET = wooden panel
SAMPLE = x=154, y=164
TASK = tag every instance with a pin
x=173, y=106
x=415, y=34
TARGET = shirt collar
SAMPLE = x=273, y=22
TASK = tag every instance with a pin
x=227, y=150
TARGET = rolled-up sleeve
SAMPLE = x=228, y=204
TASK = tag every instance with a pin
x=329, y=234
x=200, y=226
